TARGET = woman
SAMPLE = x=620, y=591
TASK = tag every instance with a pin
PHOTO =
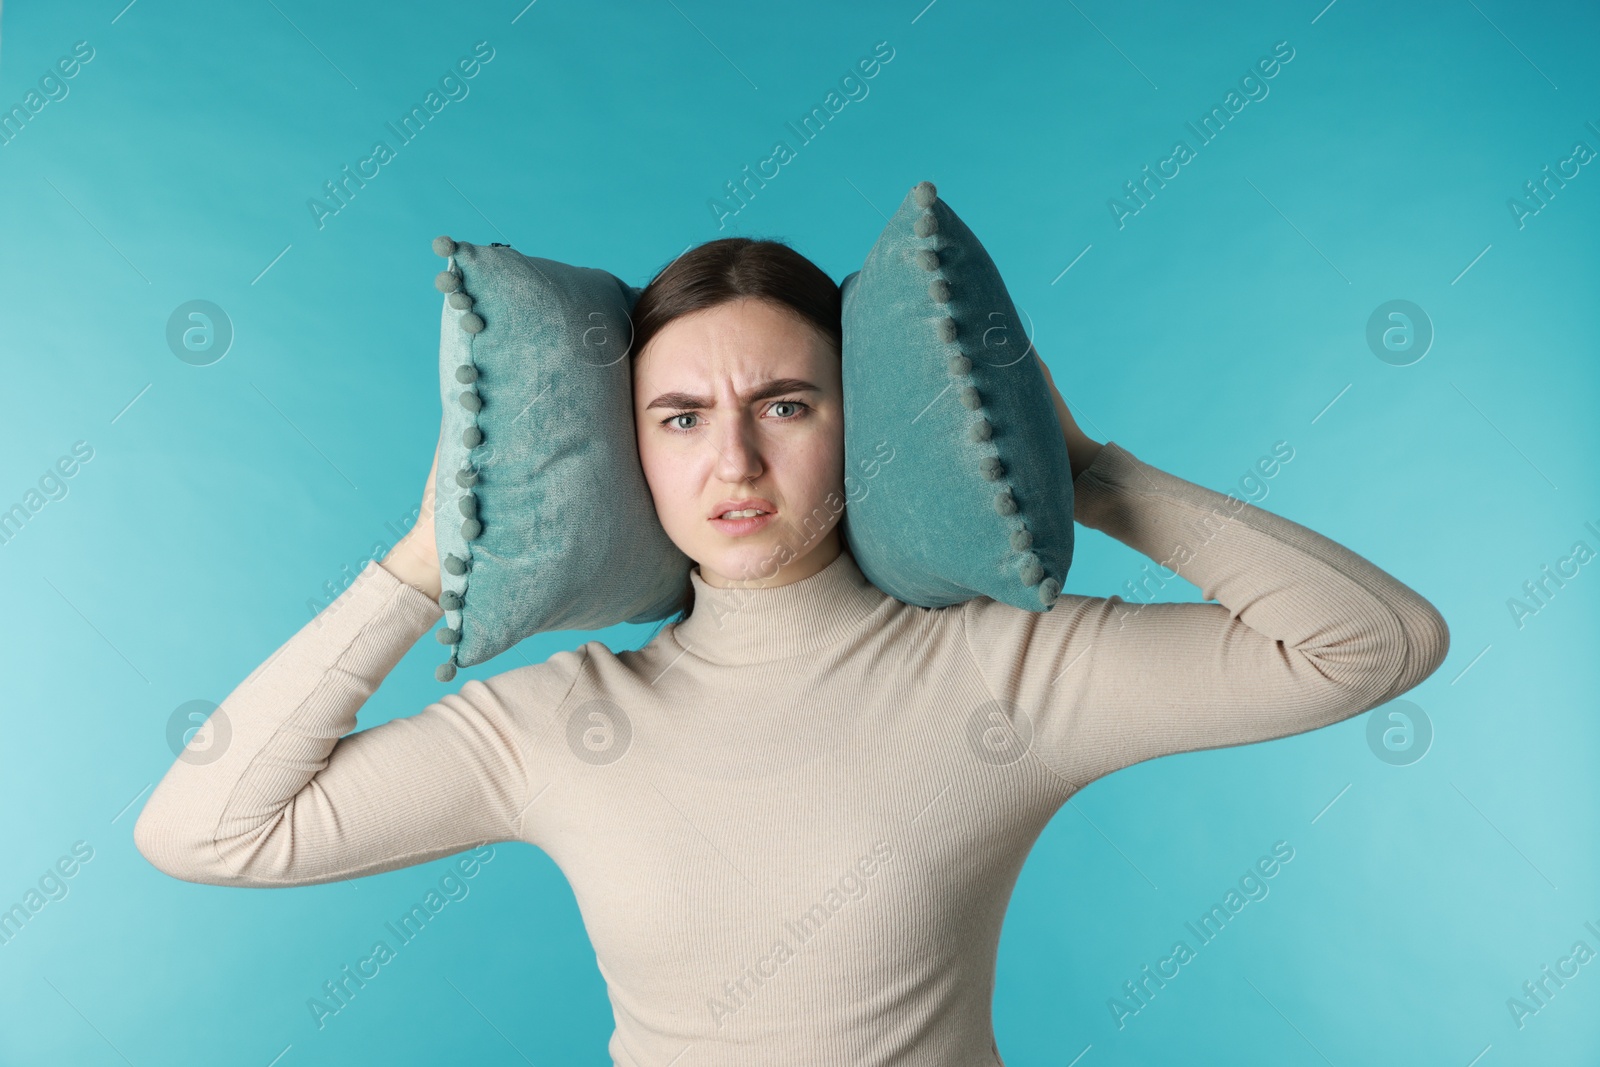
x=793, y=819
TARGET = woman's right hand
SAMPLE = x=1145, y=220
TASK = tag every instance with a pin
x=415, y=557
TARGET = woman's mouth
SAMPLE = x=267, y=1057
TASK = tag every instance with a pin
x=741, y=522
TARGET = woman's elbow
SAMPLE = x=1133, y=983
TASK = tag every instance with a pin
x=1376, y=657
x=162, y=842
x=180, y=850
x=1431, y=640
x=1419, y=649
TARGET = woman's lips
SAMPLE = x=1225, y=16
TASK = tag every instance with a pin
x=741, y=527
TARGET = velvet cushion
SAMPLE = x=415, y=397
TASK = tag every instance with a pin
x=958, y=483
x=542, y=514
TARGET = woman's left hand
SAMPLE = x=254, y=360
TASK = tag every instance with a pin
x=1081, y=448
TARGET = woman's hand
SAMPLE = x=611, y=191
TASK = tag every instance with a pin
x=1081, y=448
x=415, y=557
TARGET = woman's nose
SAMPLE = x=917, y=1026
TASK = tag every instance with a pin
x=738, y=445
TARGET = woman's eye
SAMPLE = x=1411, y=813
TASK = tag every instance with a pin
x=671, y=421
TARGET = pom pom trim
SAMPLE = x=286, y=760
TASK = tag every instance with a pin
x=926, y=226
x=472, y=324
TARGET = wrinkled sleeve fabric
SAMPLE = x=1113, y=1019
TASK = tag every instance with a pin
x=291, y=800
x=1304, y=632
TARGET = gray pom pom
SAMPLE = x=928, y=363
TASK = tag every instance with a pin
x=947, y=330
x=928, y=259
x=1049, y=590
x=450, y=600
x=970, y=398
x=1022, y=539
x=1032, y=570
x=447, y=636
x=466, y=477
x=981, y=430
x=460, y=300
x=992, y=469
x=443, y=246
x=446, y=281
x=939, y=289
x=1005, y=503
x=472, y=322
x=472, y=437
x=467, y=505
x=466, y=374
x=471, y=401
x=924, y=194
x=959, y=364
x=472, y=529
x=445, y=671
x=925, y=226
x=455, y=564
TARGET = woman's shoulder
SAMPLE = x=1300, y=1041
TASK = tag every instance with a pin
x=593, y=658
x=545, y=684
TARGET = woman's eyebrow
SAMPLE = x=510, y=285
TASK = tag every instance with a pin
x=763, y=391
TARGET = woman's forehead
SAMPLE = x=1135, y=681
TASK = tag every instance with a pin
x=746, y=359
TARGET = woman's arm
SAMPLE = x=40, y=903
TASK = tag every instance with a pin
x=1305, y=632
x=1081, y=448
x=292, y=801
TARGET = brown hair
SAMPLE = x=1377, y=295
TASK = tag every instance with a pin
x=730, y=268
x=727, y=269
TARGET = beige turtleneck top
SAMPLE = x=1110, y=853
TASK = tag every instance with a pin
x=793, y=821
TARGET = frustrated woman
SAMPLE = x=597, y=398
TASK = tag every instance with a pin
x=793, y=819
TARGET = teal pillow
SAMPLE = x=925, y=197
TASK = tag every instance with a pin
x=958, y=483
x=542, y=514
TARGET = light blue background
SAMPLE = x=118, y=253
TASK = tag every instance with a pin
x=1228, y=314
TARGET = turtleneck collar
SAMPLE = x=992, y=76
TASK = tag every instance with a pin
x=731, y=626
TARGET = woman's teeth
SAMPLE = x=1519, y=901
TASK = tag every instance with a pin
x=745, y=514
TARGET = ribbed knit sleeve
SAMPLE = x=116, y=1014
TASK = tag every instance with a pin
x=292, y=801
x=1304, y=633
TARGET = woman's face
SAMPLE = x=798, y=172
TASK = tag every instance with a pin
x=743, y=402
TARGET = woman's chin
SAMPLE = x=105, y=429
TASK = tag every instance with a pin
x=755, y=560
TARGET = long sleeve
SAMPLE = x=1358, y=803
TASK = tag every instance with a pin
x=291, y=801
x=1304, y=633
